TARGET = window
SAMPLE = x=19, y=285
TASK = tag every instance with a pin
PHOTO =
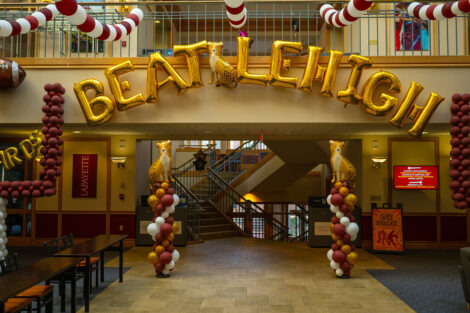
x=411, y=34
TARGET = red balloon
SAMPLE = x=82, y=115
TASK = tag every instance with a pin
x=344, y=266
x=339, y=229
x=160, y=208
x=454, y=152
x=454, y=184
x=454, y=108
x=454, y=174
x=466, y=184
x=466, y=174
x=465, y=96
x=170, y=220
x=170, y=191
x=166, y=229
x=465, y=109
x=466, y=141
x=462, y=205
x=334, y=220
x=335, y=247
x=338, y=256
x=167, y=200
x=166, y=257
x=465, y=119
x=158, y=267
x=337, y=199
x=170, y=248
x=333, y=191
x=344, y=208
x=456, y=97
x=346, y=238
x=454, y=163
x=454, y=130
x=455, y=142
x=458, y=197
x=454, y=120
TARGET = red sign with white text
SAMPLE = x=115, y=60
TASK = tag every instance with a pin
x=415, y=177
x=84, y=175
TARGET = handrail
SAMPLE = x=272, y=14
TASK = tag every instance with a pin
x=186, y=190
x=281, y=228
x=228, y=156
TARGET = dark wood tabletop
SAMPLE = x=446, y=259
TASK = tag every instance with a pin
x=31, y=275
x=92, y=246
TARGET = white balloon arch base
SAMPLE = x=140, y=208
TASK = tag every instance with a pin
x=3, y=229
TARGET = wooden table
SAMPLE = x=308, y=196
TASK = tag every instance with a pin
x=15, y=282
x=90, y=248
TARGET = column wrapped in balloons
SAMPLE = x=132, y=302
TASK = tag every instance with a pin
x=342, y=201
x=163, y=201
x=3, y=229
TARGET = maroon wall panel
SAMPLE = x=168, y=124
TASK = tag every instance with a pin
x=84, y=225
x=453, y=228
x=128, y=223
x=46, y=225
x=366, y=228
x=419, y=228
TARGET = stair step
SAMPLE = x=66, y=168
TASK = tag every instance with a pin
x=215, y=228
x=212, y=221
x=205, y=215
x=219, y=234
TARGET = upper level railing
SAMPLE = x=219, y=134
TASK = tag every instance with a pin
x=385, y=30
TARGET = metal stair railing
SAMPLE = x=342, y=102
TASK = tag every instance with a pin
x=302, y=216
x=250, y=217
x=234, y=164
x=193, y=208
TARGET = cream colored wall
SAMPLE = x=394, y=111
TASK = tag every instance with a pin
x=123, y=180
x=246, y=104
x=298, y=192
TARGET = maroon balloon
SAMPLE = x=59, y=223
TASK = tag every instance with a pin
x=334, y=220
x=167, y=200
x=344, y=266
x=454, y=184
x=455, y=152
x=158, y=267
x=159, y=238
x=333, y=191
x=166, y=229
x=465, y=174
x=344, y=208
x=465, y=109
x=166, y=257
x=454, y=120
x=454, y=174
x=337, y=199
x=465, y=130
x=454, y=130
x=335, y=247
x=160, y=208
x=338, y=229
x=346, y=238
x=456, y=97
x=465, y=96
x=455, y=163
x=454, y=108
x=50, y=192
x=170, y=248
x=458, y=197
x=4, y=194
x=455, y=142
x=338, y=256
x=170, y=191
x=462, y=205
x=170, y=220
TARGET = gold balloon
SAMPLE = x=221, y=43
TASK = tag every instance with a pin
x=338, y=185
x=165, y=243
x=330, y=226
x=153, y=201
x=371, y=85
x=339, y=242
x=191, y=53
x=343, y=191
x=309, y=75
x=243, y=77
x=11, y=156
x=7, y=162
x=350, y=199
x=160, y=192
x=156, y=60
x=346, y=249
x=278, y=63
x=352, y=257
x=171, y=237
x=329, y=76
x=29, y=146
x=118, y=88
x=165, y=185
x=419, y=115
x=152, y=257
x=334, y=237
x=350, y=95
x=176, y=227
x=159, y=249
x=99, y=101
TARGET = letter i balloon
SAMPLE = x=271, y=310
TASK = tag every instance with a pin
x=163, y=201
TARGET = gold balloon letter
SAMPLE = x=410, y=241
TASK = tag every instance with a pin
x=118, y=88
x=99, y=101
x=191, y=53
x=309, y=74
x=371, y=85
x=329, y=76
x=156, y=60
x=29, y=146
x=243, y=76
x=277, y=63
x=419, y=115
x=11, y=156
x=349, y=95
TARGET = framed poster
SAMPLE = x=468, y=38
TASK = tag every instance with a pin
x=84, y=175
x=387, y=230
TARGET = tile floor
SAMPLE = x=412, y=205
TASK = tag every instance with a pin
x=240, y=275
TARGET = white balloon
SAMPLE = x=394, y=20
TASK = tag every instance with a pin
x=112, y=33
x=2, y=215
x=334, y=208
x=2, y=247
x=40, y=17
x=5, y=239
x=159, y=221
x=175, y=256
x=334, y=265
x=3, y=202
x=165, y=214
x=166, y=271
x=97, y=30
x=5, y=252
x=2, y=255
x=2, y=221
x=344, y=220
x=339, y=272
x=328, y=199
x=339, y=214
x=354, y=237
x=2, y=227
x=5, y=28
x=170, y=209
x=138, y=12
x=170, y=265
x=352, y=229
x=329, y=254
x=2, y=242
x=79, y=17
x=3, y=234
x=176, y=199
x=153, y=229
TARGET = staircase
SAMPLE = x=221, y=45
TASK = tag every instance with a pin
x=201, y=188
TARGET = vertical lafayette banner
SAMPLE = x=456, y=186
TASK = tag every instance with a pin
x=387, y=230
x=84, y=175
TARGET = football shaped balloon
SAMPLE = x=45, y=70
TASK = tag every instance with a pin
x=11, y=74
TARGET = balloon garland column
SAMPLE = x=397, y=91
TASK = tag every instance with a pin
x=162, y=201
x=3, y=229
x=344, y=230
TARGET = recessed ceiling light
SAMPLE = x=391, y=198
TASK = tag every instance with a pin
x=157, y=22
x=425, y=133
x=208, y=132
x=77, y=132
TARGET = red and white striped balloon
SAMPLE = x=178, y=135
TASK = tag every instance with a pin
x=77, y=16
x=438, y=11
x=346, y=15
x=236, y=13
